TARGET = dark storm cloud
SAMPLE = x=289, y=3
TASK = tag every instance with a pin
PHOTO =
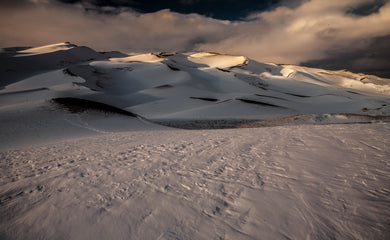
x=351, y=34
x=372, y=58
x=218, y=9
x=367, y=8
x=15, y=3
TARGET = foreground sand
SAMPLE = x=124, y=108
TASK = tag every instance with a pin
x=287, y=182
x=81, y=155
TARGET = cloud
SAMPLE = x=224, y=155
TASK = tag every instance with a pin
x=313, y=30
x=219, y=9
x=373, y=58
x=307, y=32
x=126, y=31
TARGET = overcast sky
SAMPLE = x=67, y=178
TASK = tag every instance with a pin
x=335, y=34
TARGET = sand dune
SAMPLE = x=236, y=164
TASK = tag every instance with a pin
x=92, y=146
x=151, y=85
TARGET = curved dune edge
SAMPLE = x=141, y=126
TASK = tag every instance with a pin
x=192, y=90
x=309, y=119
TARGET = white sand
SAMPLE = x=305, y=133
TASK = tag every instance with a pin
x=82, y=173
x=294, y=182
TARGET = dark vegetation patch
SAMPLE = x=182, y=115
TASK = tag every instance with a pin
x=205, y=99
x=279, y=121
x=76, y=105
x=208, y=124
x=259, y=103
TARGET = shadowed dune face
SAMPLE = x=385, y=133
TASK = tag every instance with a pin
x=75, y=105
x=20, y=63
x=83, y=158
x=325, y=34
x=208, y=86
x=203, y=87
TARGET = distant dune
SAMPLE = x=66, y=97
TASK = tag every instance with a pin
x=176, y=89
x=93, y=146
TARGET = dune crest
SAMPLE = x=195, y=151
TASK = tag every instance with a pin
x=177, y=89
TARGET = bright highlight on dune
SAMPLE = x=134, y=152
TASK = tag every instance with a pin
x=189, y=119
x=94, y=145
x=210, y=87
x=313, y=32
